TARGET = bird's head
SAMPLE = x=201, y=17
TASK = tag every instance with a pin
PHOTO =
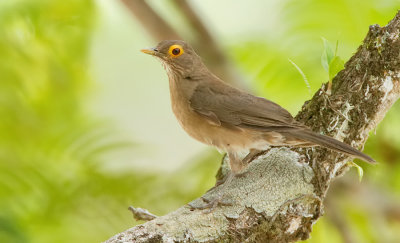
x=177, y=56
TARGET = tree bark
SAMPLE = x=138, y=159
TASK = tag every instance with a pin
x=280, y=197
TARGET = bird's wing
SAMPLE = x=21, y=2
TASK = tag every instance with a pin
x=226, y=106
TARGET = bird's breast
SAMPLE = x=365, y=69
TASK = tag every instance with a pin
x=200, y=128
x=189, y=120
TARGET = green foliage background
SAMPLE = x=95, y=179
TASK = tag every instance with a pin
x=54, y=181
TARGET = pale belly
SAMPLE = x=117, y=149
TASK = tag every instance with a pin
x=224, y=139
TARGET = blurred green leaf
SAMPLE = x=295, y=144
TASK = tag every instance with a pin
x=330, y=61
x=335, y=66
x=327, y=54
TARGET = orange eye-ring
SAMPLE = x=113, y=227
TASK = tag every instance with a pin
x=175, y=50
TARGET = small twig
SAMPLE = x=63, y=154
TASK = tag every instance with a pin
x=141, y=214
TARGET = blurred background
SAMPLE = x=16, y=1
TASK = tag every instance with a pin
x=86, y=127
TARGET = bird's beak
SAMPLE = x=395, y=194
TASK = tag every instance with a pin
x=150, y=51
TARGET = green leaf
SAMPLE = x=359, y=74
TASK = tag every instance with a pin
x=335, y=66
x=336, y=47
x=359, y=169
x=327, y=54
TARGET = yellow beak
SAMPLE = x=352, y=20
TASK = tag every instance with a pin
x=150, y=51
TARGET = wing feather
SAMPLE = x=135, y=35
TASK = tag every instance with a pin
x=231, y=106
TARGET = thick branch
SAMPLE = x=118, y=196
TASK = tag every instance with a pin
x=281, y=196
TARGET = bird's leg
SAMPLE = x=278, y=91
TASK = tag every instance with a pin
x=236, y=165
x=246, y=161
x=250, y=156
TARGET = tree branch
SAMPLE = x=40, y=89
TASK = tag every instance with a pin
x=151, y=21
x=281, y=195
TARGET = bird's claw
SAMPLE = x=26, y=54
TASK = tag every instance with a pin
x=210, y=205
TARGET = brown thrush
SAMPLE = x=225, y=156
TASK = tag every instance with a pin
x=217, y=114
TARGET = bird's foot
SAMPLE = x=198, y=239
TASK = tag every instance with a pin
x=211, y=204
x=220, y=198
x=241, y=174
x=218, y=183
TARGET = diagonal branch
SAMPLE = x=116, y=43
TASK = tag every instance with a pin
x=152, y=22
x=281, y=196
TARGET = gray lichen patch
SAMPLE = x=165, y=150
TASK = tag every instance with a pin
x=270, y=180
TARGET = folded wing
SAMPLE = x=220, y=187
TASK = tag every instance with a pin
x=233, y=107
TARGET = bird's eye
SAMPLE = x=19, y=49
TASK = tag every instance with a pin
x=175, y=50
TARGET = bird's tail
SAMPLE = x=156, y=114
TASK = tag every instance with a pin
x=331, y=143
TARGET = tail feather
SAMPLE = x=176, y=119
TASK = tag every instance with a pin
x=330, y=143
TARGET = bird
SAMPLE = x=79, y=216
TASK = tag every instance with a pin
x=234, y=121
